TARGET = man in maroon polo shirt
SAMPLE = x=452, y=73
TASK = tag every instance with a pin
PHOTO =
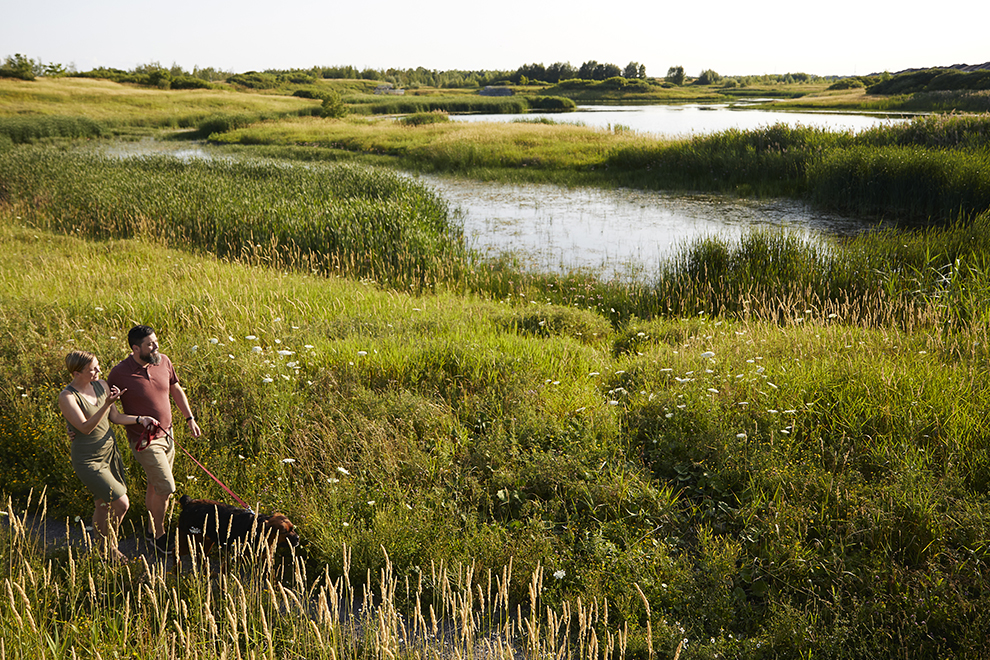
x=150, y=381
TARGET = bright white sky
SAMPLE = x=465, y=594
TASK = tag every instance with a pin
x=841, y=37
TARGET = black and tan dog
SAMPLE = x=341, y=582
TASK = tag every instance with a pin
x=206, y=524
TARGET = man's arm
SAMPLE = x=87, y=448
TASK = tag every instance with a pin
x=182, y=403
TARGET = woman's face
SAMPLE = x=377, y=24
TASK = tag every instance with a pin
x=92, y=371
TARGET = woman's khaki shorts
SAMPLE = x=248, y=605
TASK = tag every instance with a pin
x=157, y=459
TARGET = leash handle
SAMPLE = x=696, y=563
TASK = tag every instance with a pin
x=201, y=466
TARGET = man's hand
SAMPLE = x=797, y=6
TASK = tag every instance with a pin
x=194, y=429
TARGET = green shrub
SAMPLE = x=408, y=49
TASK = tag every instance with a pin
x=254, y=80
x=332, y=107
x=224, y=123
x=932, y=80
x=190, y=82
x=847, y=83
x=551, y=103
x=421, y=118
x=307, y=93
x=17, y=66
x=708, y=77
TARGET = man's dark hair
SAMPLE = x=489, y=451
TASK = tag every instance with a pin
x=137, y=334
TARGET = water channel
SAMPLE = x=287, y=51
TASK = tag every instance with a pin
x=618, y=233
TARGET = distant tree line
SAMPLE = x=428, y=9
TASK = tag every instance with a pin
x=155, y=74
x=590, y=70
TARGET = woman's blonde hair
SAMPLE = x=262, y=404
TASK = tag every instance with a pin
x=78, y=360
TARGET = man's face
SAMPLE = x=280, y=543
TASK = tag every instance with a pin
x=147, y=350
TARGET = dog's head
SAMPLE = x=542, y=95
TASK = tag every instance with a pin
x=282, y=529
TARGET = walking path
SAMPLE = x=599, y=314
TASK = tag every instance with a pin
x=56, y=532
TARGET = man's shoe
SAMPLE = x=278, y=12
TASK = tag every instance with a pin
x=161, y=544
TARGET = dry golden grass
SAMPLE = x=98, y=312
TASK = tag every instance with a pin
x=117, y=103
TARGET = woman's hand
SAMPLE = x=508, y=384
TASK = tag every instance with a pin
x=114, y=394
x=148, y=422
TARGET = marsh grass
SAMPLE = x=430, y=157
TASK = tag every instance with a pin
x=785, y=478
x=69, y=602
x=329, y=219
x=478, y=149
x=929, y=170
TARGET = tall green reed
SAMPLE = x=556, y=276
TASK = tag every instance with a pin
x=329, y=219
x=22, y=130
x=930, y=169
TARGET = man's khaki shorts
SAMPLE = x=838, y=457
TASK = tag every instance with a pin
x=157, y=459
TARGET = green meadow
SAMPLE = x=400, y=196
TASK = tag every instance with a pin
x=775, y=449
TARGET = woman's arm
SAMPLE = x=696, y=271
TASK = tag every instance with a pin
x=118, y=417
x=74, y=415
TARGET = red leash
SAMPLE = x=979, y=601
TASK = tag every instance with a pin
x=145, y=440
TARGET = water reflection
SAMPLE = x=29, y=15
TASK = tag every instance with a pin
x=619, y=233
x=185, y=151
x=696, y=119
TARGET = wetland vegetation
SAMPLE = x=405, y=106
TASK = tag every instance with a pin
x=773, y=450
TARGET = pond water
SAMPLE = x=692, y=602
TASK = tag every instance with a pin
x=697, y=119
x=618, y=233
x=621, y=234
x=626, y=233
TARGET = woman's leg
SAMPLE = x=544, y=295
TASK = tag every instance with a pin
x=112, y=513
x=100, y=518
x=118, y=509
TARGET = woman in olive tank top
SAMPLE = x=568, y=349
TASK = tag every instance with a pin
x=87, y=404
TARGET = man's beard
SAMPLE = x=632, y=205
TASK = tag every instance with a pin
x=151, y=357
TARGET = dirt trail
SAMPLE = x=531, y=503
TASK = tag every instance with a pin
x=56, y=532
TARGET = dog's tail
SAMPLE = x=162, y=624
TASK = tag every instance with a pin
x=183, y=500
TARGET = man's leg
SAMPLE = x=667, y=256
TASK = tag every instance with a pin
x=157, y=461
x=157, y=503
